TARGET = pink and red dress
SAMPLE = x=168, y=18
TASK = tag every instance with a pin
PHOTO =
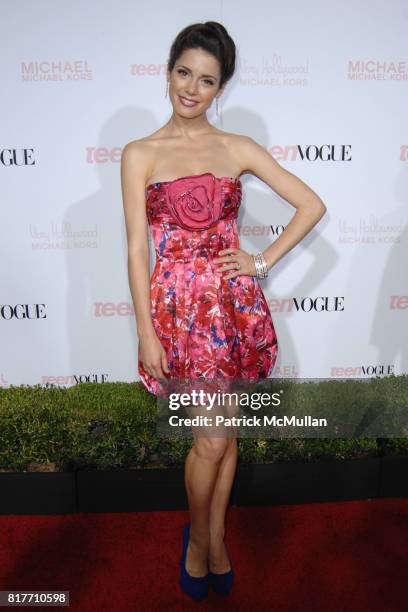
x=209, y=326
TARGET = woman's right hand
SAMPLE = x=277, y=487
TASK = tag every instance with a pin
x=153, y=356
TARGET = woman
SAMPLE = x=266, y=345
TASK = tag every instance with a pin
x=203, y=314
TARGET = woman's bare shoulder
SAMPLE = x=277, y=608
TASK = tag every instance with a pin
x=140, y=152
x=234, y=142
x=235, y=145
x=137, y=159
x=141, y=143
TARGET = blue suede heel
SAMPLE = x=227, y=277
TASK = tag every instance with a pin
x=222, y=583
x=194, y=586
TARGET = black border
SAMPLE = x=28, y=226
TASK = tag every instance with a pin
x=153, y=489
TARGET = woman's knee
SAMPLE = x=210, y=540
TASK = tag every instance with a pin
x=212, y=449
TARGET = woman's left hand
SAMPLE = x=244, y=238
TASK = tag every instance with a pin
x=237, y=260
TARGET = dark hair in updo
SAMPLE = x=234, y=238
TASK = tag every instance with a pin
x=213, y=38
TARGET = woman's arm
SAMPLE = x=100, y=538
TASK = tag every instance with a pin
x=133, y=179
x=309, y=207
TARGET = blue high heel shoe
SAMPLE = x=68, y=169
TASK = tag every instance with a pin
x=195, y=586
x=222, y=583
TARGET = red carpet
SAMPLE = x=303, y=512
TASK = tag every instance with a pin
x=331, y=557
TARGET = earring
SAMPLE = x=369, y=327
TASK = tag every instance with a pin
x=167, y=89
x=216, y=105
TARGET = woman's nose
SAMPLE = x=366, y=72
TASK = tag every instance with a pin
x=192, y=88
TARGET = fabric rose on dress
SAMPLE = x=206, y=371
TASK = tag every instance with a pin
x=195, y=202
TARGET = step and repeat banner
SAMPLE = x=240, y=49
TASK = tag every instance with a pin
x=322, y=86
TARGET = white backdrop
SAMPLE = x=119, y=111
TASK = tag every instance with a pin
x=322, y=85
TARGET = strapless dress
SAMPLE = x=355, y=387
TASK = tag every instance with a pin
x=210, y=327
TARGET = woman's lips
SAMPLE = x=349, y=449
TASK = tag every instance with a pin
x=187, y=102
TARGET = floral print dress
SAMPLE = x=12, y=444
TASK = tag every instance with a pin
x=209, y=326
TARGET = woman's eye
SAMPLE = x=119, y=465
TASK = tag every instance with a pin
x=207, y=81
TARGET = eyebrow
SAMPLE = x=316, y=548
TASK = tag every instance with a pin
x=204, y=75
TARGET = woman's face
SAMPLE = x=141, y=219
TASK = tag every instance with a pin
x=195, y=78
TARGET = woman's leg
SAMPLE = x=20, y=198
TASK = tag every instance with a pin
x=201, y=469
x=218, y=557
x=209, y=474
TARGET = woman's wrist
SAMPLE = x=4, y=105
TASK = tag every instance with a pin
x=261, y=266
x=145, y=332
x=269, y=263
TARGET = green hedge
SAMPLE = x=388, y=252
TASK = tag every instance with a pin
x=113, y=425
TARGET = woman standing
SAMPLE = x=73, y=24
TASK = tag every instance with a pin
x=203, y=314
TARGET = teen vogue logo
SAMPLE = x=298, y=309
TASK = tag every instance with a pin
x=312, y=153
x=73, y=379
x=22, y=311
x=365, y=370
x=17, y=157
x=319, y=304
x=308, y=304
